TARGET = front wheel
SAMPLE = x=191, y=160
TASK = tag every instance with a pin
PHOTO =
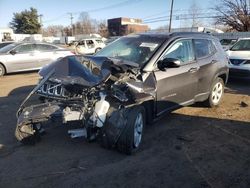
x=216, y=93
x=2, y=70
x=131, y=137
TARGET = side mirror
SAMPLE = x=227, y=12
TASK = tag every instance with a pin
x=168, y=63
x=13, y=52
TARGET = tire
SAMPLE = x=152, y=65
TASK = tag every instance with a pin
x=131, y=137
x=25, y=138
x=216, y=93
x=2, y=70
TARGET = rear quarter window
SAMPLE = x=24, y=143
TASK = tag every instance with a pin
x=99, y=41
x=204, y=48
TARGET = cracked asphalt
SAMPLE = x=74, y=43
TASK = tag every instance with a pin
x=190, y=147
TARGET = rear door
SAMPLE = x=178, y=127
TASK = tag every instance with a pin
x=177, y=86
x=207, y=58
x=46, y=53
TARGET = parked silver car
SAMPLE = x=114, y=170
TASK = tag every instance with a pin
x=18, y=57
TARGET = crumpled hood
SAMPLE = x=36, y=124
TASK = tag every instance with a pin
x=76, y=70
x=86, y=71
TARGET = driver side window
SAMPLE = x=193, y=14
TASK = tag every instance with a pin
x=181, y=50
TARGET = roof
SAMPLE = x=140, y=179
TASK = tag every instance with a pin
x=247, y=38
x=177, y=34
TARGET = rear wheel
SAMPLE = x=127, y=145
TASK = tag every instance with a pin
x=2, y=70
x=216, y=93
x=131, y=137
x=97, y=50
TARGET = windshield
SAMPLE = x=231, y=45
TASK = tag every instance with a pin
x=135, y=48
x=8, y=48
x=241, y=45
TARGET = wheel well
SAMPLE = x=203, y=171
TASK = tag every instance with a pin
x=149, y=111
x=223, y=77
x=3, y=67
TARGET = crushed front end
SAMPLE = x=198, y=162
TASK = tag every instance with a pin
x=96, y=92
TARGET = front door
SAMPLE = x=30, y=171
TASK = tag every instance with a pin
x=23, y=59
x=177, y=86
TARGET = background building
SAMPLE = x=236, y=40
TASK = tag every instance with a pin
x=124, y=26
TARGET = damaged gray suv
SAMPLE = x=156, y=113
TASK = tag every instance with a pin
x=131, y=82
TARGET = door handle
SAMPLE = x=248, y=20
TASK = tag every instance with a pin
x=213, y=61
x=193, y=69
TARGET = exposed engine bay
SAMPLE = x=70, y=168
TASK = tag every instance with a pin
x=98, y=92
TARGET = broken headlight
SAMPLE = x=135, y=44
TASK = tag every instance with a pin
x=120, y=92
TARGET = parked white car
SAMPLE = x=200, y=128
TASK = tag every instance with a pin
x=239, y=59
x=89, y=46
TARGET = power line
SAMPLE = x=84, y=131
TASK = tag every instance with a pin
x=178, y=17
x=168, y=11
x=175, y=15
x=62, y=16
x=184, y=18
x=123, y=3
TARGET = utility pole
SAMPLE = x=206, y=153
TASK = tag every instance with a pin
x=41, y=23
x=248, y=5
x=171, y=12
x=71, y=22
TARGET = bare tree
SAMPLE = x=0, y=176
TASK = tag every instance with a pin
x=53, y=30
x=194, y=12
x=234, y=14
x=85, y=25
x=103, y=29
x=67, y=31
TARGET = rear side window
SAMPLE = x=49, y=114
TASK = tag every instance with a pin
x=90, y=43
x=204, y=48
x=99, y=41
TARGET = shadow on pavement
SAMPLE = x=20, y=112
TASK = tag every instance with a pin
x=177, y=151
x=238, y=86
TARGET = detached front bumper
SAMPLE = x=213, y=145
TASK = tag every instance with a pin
x=39, y=113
